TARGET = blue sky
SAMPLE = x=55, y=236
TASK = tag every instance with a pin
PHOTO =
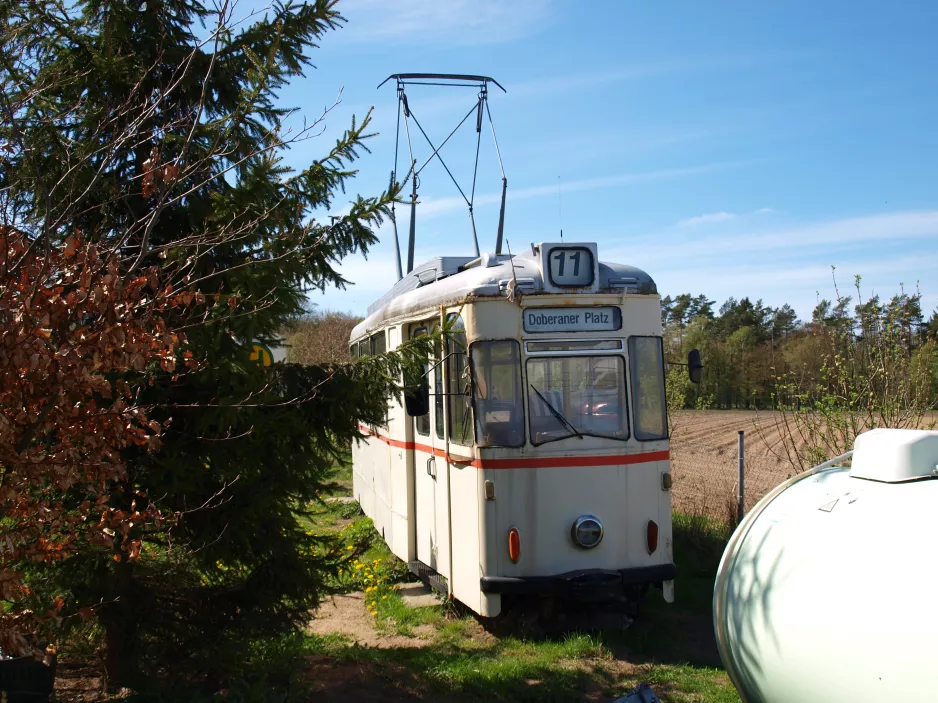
x=727, y=148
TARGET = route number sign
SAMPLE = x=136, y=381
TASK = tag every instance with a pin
x=570, y=267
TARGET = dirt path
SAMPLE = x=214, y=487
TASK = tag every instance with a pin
x=346, y=615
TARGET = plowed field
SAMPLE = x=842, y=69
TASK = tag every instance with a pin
x=704, y=464
x=704, y=459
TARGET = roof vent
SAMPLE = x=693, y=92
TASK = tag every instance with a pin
x=630, y=285
x=428, y=276
x=894, y=455
x=525, y=285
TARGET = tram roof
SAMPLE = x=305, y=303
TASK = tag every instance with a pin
x=445, y=280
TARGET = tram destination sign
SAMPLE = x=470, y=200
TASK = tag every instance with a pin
x=593, y=319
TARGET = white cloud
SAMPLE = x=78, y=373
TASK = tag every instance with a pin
x=803, y=241
x=462, y=22
x=431, y=207
x=683, y=65
x=790, y=264
x=853, y=230
x=722, y=216
x=707, y=219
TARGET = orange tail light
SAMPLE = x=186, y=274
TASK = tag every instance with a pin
x=652, y=534
x=514, y=544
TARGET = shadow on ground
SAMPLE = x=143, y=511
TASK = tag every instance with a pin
x=671, y=646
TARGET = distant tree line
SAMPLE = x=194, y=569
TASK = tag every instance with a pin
x=762, y=357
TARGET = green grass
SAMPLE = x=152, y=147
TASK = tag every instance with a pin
x=340, y=482
x=670, y=645
x=507, y=669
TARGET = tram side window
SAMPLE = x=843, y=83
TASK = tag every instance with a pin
x=353, y=351
x=460, y=422
x=379, y=343
x=646, y=362
x=499, y=410
x=379, y=346
x=422, y=422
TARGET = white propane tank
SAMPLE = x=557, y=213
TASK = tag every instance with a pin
x=824, y=592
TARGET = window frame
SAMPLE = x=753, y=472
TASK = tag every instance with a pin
x=473, y=395
x=447, y=389
x=582, y=351
x=664, y=388
x=626, y=395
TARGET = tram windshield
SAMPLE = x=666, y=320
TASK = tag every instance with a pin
x=577, y=395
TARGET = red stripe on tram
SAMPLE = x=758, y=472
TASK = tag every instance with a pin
x=547, y=462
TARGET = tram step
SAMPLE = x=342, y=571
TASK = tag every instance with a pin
x=428, y=574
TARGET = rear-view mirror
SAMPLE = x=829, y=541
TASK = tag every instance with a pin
x=417, y=400
x=694, y=366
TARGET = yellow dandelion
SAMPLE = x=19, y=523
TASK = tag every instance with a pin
x=350, y=547
x=359, y=566
x=384, y=597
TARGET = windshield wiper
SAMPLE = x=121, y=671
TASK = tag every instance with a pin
x=555, y=412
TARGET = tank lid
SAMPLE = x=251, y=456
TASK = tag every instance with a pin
x=894, y=455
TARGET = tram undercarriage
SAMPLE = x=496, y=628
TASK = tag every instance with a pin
x=584, y=599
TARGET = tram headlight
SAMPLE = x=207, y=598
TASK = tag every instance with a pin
x=587, y=531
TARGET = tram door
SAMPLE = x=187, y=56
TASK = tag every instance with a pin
x=449, y=422
x=430, y=470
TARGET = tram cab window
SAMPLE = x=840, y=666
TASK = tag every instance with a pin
x=499, y=411
x=570, y=395
x=353, y=351
x=646, y=362
x=457, y=377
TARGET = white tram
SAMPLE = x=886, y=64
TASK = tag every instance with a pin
x=540, y=464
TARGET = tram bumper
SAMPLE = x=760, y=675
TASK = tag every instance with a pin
x=584, y=585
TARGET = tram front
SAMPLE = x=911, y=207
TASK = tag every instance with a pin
x=571, y=434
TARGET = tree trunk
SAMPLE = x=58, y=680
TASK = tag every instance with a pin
x=119, y=619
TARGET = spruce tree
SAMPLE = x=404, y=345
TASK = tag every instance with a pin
x=151, y=128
